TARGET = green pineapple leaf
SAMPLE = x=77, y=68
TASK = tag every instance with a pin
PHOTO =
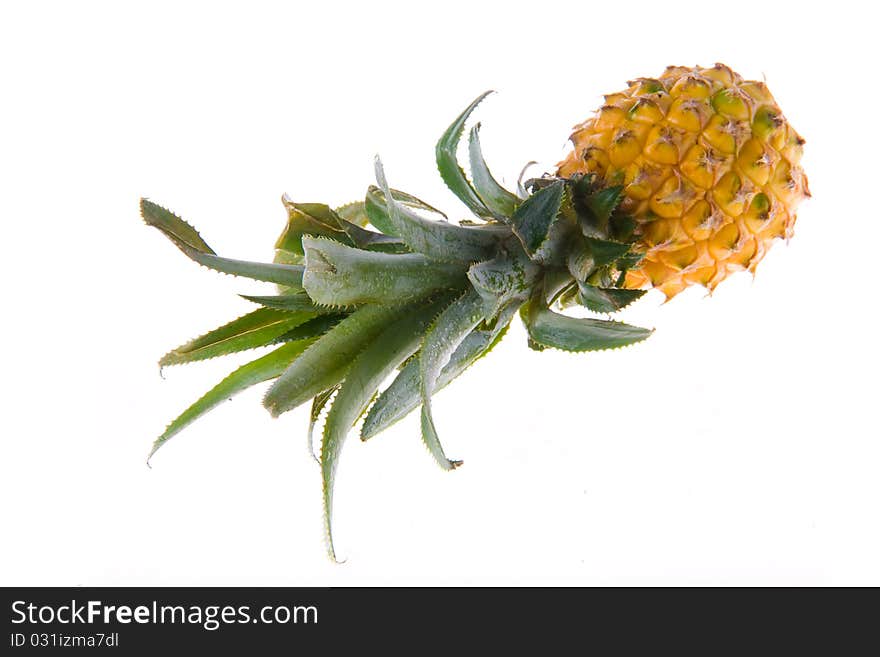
x=603, y=203
x=629, y=260
x=569, y=297
x=604, y=252
x=498, y=200
x=397, y=342
x=622, y=227
x=550, y=329
x=556, y=281
x=262, y=369
x=187, y=239
x=318, y=220
x=533, y=219
x=354, y=213
x=534, y=346
x=439, y=240
x=175, y=228
x=309, y=219
x=353, y=219
x=368, y=239
x=597, y=209
x=313, y=328
x=325, y=363
x=339, y=275
x=377, y=210
x=580, y=263
x=447, y=332
x=320, y=212
x=256, y=329
x=298, y=301
x=521, y=191
x=606, y=299
x=447, y=163
x=318, y=403
x=404, y=394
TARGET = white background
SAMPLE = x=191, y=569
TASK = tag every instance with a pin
x=739, y=445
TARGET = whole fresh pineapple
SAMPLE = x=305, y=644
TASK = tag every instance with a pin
x=677, y=180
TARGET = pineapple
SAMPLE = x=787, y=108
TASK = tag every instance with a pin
x=710, y=171
x=676, y=181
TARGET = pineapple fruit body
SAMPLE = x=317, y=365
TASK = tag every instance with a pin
x=710, y=170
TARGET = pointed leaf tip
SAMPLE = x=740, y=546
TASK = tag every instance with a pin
x=438, y=240
x=496, y=198
x=173, y=226
x=257, y=371
x=453, y=175
x=606, y=299
x=404, y=394
x=551, y=329
x=186, y=238
x=447, y=332
x=391, y=347
x=533, y=219
x=603, y=202
x=258, y=328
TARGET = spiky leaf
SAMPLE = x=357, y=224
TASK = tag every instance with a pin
x=298, y=301
x=551, y=329
x=604, y=252
x=438, y=240
x=498, y=200
x=309, y=219
x=580, y=263
x=339, y=275
x=354, y=212
x=520, y=187
x=445, y=335
x=314, y=327
x=262, y=369
x=533, y=219
x=256, y=329
x=447, y=163
x=368, y=239
x=371, y=367
x=326, y=362
x=630, y=260
x=318, y=403
x=603, y=202
x=377, y=209
x=187, y=239
x=404, y=395
x=606, y=299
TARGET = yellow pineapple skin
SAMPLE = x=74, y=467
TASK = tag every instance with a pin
x=710, y=171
